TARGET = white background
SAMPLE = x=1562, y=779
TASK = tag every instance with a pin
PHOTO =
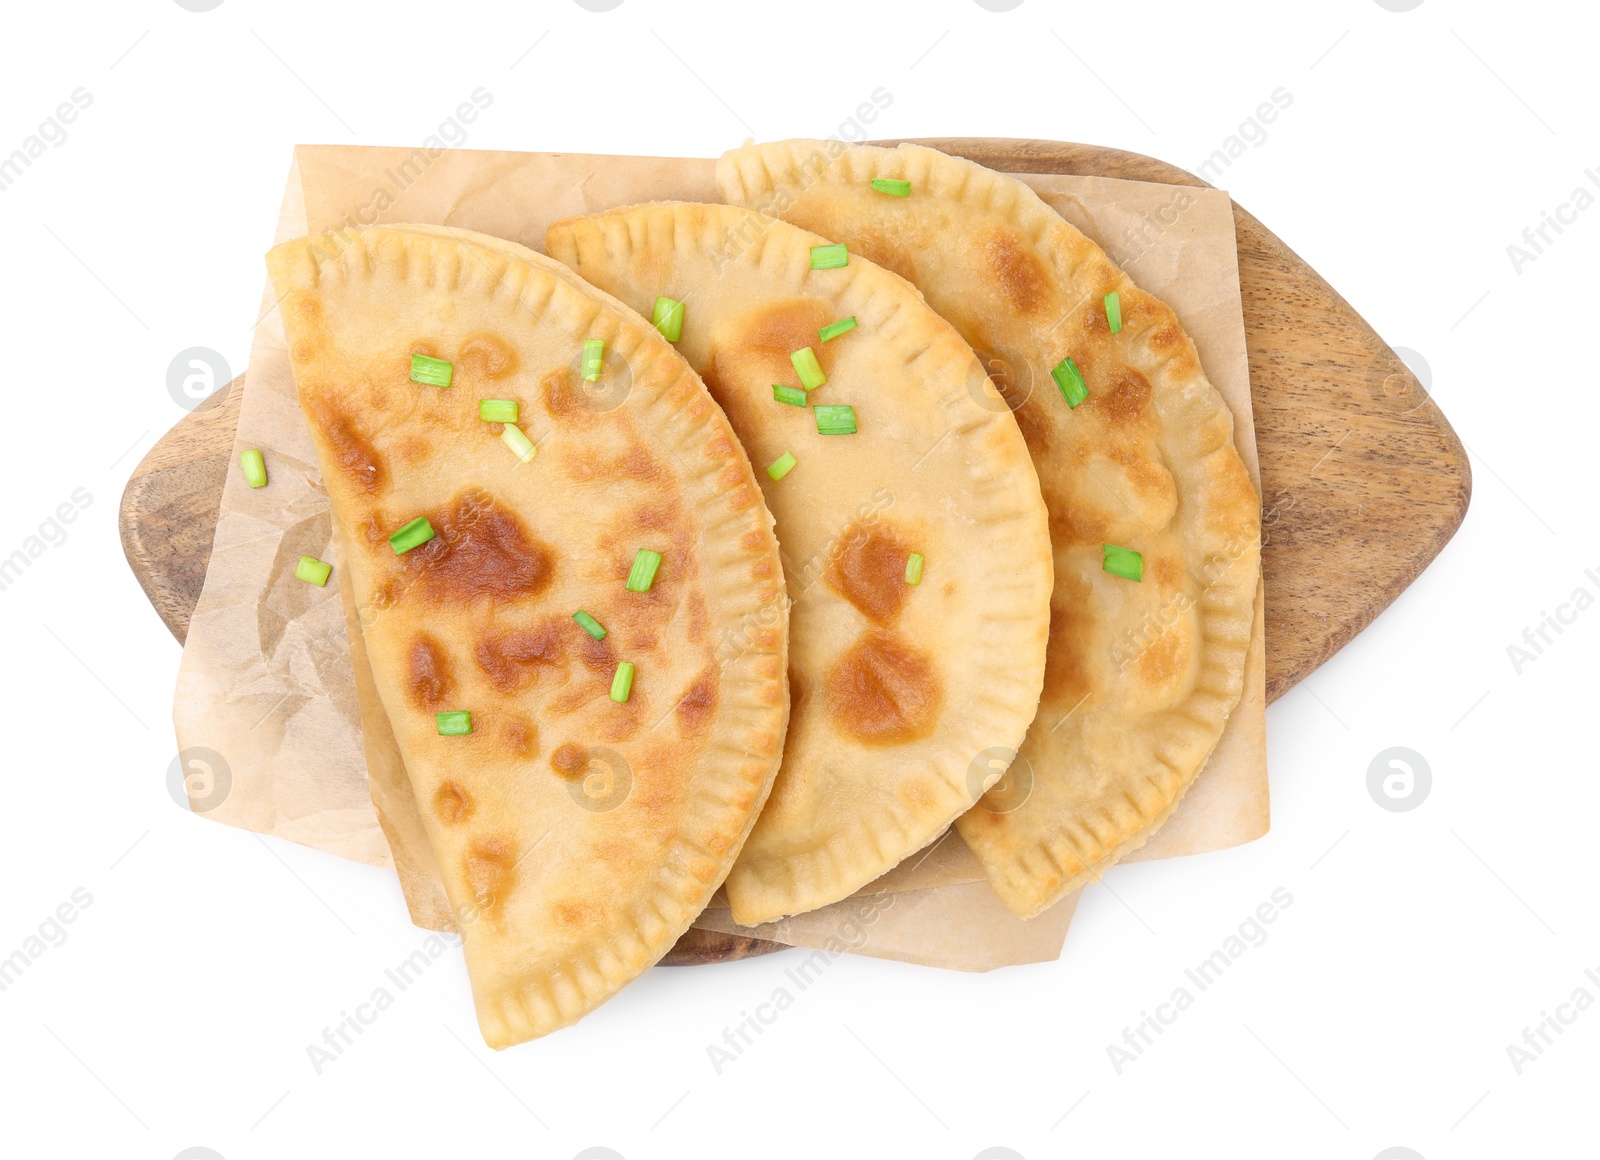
x=1419, y=945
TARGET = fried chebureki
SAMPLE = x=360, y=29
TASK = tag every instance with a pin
x=1154, y=520
x=914, y=537
x=584, y=781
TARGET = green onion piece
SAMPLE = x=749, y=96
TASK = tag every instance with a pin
x=914, y=568
x=453, y=724
x=892, y=186
x=808, y=368
x=1067, y=376
x=622, y=683
x=418, y=532
x=594, y=353
x=835, y=420
x=643, y=572
x=1122, y=562
x=1114, y=311
x=519, y=443
x=667, y=317
x=430, y=372
x=829, y=257
x=794, y=396
x=312, y=571
x=255, y=468
x=835, y=329
x=589, y=624
x=498, y=410
x=781, y=466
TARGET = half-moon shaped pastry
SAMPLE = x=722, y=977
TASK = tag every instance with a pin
x=1155, y=522
x=914, y=538
x=546, y=570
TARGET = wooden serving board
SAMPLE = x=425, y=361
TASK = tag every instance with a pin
x=1363, y=480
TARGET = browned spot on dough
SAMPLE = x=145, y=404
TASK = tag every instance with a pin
x=1123, y=399
x=561, y=399
x=799, y=691
x=1163, y=659
x=509, y=659
x=871, y=572
x=751, y=352
x=639, y=464
x=569, y=760
x=597, y=655
x=1144, y=472
x=487, y=357
x=489, y=865
x=635, y=465
x=1165, y=571
x=883, y=691
x=304, y=306
x=699, y=619
x=352, y=451
x=429, y=680
x=479, y=549
x=575, y=915
x=1072, y=523
x=452, y=804
x=877, y=247
x=1033, y=417
x=412, y=449
x=1167, y=338
x=657, y=517
x=521, y=737
x=697, y=705
x=1022, y=279
x=1064, y=673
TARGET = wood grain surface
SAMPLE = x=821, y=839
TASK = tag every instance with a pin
x=1363, y=479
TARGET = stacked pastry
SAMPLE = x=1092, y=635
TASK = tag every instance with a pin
x=623, y=666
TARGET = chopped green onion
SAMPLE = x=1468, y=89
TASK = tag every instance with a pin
x=498, y=410
x=453, y=724
x=829, y=257
x=667, y=317
x=255, y=469
x=1067, y=376
x=594, y=353
x=622, y=683
x=835, y=329
x=643, y=572
x=589, y=624
x=519, y=443
x=808, y=368
x=781, y=466
x=914, y=568
x=1122, y=562
x=418, y=532
x=835, y=420
x=1114, y=311
x=892, y=186
x=312, y=571
x=430, y=372
x=794, y=396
